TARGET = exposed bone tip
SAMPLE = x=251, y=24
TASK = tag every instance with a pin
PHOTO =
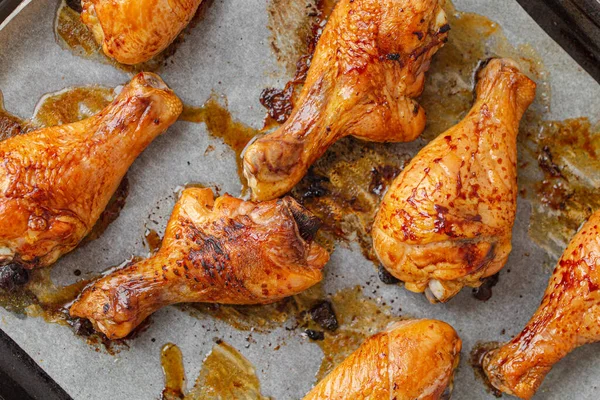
x=152, y=80
x=435, y=292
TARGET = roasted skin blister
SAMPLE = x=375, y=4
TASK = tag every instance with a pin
x=446, y=221
x=55, y=182
x=410, y=360
x=133, y=31
x=368, y=67
x=225, y=251
x=567, y=318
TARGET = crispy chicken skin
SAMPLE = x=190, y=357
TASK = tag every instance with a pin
x=225, y=251
x=567, y=318
x=446, y=221
x=410, y=360
x=55, y=182
x=368, y=67
x=133, y=31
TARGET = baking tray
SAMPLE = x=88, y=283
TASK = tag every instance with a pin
x=216, y=57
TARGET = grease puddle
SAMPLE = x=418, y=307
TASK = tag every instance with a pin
x=356, y=318
x=225, y=374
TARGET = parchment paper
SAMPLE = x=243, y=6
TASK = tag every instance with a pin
x=229, y=52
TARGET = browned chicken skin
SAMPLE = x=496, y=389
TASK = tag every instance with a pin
x=55, y=182
x=446, y=221
x=133, y=31
x=226, y=251
x=410, y=360
x=568, y=317
x=368, y=67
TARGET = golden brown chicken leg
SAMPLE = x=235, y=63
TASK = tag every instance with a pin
x=410, y=360
x=368, y=67
x=55, y=182
x=133, y=31
x=567, y=318
x=226, y=251
x=446, y=221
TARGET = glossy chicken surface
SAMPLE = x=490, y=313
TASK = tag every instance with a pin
x=568, y=317
x=410, y=360
x=133, y=31
x=446, y=221
x=368, y=67
x=55, y=182
x=225, y=251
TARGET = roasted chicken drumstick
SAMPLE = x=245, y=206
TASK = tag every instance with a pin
x=133, y=31
x=55, y=182
x=567, y=318
x=368, y=67
x=446, y=221
x=225, y=251
x=410, y=360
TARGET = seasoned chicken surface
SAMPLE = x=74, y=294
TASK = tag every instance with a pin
x=368, y=67
x=410, y=360
x=55, y=182
x=446, y=221
x=225, y=251
x=133, y=31
x=568, y=317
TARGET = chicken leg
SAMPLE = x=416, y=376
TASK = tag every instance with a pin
x=55, y=182
x=133, y=31
x=446, y=221
x=368, y=67
x=225, y=251
x=410, y=360
x=567, y=318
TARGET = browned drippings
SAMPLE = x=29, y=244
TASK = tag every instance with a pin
x=296, y=27
x=41, y=297
x=261, y=318
x=358, y=318
x=225, y=374
x=476, y=362
x=473, y=38
x=344, y=188
x=10, y=125
x=71, y=105
x=220, y=123
x=152, y=240
x=171, y=360
x=72, y=34
x=484, y=292
x=68, y=105
x=560, y=174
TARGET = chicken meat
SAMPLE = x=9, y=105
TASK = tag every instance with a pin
x=446, y=221
x=133, y=31
x=226, y=251
x=410, y=360
x=368, y=67
x=55, y=182
x=567, y=318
